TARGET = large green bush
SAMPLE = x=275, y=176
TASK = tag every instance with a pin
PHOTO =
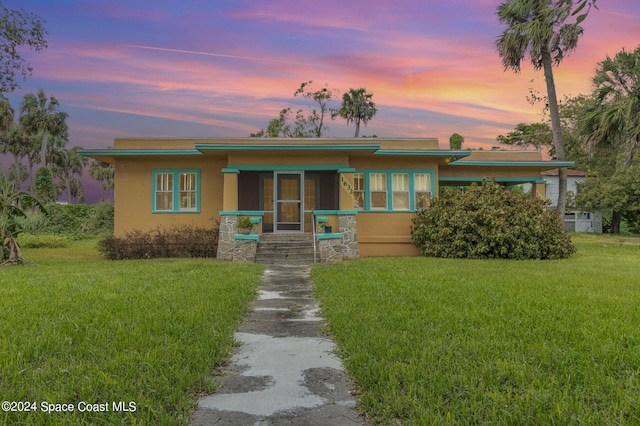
x=487, y=221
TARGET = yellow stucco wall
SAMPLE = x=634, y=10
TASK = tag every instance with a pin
x=133, y=192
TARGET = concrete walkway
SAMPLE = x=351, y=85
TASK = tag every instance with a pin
x=285, y=372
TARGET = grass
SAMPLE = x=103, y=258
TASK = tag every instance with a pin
x=439, y=341
x=80, y=329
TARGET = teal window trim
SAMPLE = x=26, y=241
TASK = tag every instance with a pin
x=390, y=172
x=175, y=190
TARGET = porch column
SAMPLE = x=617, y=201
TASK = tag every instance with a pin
x=539, y=190
x=228, y=228
x=230, y=190
x=346, y=188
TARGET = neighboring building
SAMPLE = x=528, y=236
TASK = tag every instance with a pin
x=366, y=190
x=575, y=221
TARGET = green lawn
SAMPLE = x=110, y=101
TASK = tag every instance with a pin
x=78, y=329
x=433, y=341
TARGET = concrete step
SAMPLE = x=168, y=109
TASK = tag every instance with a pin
x=281, y=249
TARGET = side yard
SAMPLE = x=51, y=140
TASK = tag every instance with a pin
x=126, y=342
x=503, y=342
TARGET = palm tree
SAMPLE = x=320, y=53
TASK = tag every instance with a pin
x=66, y=165
x=614, y=121
x=537, y=28
x=39, y=115
x=103, y=173
x=357, y=106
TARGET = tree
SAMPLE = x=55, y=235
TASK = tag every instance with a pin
x=455, y=141
x=538, y=29
x=12, y=203
x=39, y=115
x=67, y=164
x=536, y=135
x=305, y=125
x=45, y=190
x=103, y=173
x=613, y=123
x=315, y=119
x=357, y=106
x=18, y=29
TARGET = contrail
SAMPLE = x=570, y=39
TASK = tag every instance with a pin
x=192, y=52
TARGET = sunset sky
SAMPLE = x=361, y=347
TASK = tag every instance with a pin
x=151, y=68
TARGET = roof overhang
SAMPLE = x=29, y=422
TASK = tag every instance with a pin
x=542, y=165
x=108, y=155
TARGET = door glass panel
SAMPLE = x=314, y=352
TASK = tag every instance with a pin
x=289, y=202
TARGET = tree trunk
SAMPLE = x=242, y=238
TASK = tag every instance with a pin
x=615, y=222
x=556, y=129
x=43, y=150
x=357, y=122
x=15, y=255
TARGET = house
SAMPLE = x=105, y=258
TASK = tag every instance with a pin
x=575, y=221
x=365, y=190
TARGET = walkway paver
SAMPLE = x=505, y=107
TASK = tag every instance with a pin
x=285, y=372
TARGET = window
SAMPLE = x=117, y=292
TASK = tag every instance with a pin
x=400, y=191
x=358, y=191
x=169, y=197
x=164, y=192
x=378, y=191
x=422, y=190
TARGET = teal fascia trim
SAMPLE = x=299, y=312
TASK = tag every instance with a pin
x=504, y=163
x=129, y=152
x=255, y=220
x=270, y=167
x=346, y=170
x=230, y=170
x=514, y=180
x=329, y=236
x=242, y=213
x=338, y=212
x=431, y=153
x=321, y=219
x=286, y=147
x=254, y=237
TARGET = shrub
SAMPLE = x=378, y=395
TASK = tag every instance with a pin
x=487, y=221
x=177, y=241
x=74, y=220
x=43, y=241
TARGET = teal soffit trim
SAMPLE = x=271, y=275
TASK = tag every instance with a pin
x=129, y=152
x=278, y=168
x=515, y=163
x=286, y=147
x=426, y=152
x=515, y=180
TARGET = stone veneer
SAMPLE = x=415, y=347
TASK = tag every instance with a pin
x=231, y=249
x=343, y=247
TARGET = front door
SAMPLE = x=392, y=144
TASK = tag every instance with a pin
x=288, y=205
